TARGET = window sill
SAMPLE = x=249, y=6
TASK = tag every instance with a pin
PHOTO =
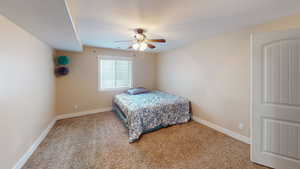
x=113, y=89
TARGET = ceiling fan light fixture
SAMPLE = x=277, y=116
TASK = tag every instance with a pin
x=136, y=46
x=139, y=37
x=143, y=46
x=141, y=42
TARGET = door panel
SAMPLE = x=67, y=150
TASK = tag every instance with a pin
x=281, y=138
x=276, y=99
x=281, y=70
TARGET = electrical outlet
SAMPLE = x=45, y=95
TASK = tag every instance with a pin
x=241, y=126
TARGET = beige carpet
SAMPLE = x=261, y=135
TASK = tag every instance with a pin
x=100, y=142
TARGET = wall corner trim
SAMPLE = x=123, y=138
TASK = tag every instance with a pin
x=83, y=113
x=222, y=130
x=34, y=146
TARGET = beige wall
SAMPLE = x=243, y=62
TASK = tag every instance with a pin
x=215, y=74
x=80, y=86
x=26, y=91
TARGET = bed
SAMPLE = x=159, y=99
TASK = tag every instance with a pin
x=146, y=112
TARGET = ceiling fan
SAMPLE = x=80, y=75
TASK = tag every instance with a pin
x=141, y=42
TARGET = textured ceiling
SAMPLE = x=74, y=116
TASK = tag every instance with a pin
x=101, y=22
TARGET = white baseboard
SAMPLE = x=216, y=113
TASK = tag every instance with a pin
x=83, y=113
x=33, y=147
x=223, y=130
x=38, y=141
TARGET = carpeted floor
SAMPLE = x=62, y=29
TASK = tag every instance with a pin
x=100, y=142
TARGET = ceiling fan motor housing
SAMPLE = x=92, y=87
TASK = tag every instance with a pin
x=140, y=36
x=139, y=30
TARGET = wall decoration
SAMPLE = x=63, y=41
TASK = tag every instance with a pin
x=61, y=68
x=61, y=71
x=62, y=60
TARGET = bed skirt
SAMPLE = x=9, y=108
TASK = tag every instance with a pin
x=123, y=118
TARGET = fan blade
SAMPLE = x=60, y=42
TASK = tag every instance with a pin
x=157, y=40
x=150, y=46
x=121, y=41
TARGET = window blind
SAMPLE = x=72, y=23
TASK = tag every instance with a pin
x=115, y=73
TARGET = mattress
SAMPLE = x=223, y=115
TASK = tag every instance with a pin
x=151, y=110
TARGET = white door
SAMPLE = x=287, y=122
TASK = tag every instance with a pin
x=276, y=99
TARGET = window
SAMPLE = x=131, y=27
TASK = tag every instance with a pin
x=115, y=73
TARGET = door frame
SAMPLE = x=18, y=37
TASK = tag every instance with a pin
x=251, y=94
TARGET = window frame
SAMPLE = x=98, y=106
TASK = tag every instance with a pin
x=99, y=58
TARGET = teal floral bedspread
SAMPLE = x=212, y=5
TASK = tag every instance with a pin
x=150, y=110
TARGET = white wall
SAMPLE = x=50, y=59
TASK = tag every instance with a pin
x=80, y=86
x=215, y=74
x=27, y=91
